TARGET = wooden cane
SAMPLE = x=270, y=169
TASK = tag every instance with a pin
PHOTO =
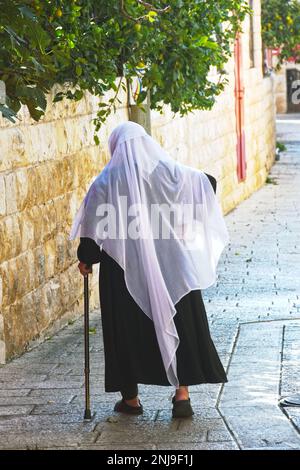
x=87, y=413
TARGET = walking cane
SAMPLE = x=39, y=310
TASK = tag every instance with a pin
x=87, y=412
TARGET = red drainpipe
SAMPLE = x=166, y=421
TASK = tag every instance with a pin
x=239, y=93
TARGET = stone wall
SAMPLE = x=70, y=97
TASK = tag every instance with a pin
x=46, y=168
x=207, y=139
x=280, y=86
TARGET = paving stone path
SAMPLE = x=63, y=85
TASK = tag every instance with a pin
x=254, y=315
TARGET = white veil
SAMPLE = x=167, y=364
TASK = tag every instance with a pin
x=165, y=260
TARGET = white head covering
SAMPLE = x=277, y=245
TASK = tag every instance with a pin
x=159, y=271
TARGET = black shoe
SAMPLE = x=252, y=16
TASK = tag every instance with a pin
x=122, y=407
x=182, y=408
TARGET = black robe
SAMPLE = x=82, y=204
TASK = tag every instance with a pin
x=131, y=350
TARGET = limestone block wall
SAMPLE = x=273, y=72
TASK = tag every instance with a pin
x=280, y=84
x=207, y=139
x=45, y=170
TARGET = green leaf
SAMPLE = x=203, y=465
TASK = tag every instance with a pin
x=13, y=103
x=151, y=16
x=78, y=70
x=58, y=97
x=35, y=113
x=8, y=113
x=212, y=45
x=37, y=65
x=78, y=94
x=25, y=11
x=13, y=35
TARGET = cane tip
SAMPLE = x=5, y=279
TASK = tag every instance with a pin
x=87, y=414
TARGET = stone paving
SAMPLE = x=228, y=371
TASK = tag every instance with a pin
x=254, y=315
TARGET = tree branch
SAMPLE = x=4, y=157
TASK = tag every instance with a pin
x=146, y=5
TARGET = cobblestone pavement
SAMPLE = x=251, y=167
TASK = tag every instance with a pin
x=254, y=314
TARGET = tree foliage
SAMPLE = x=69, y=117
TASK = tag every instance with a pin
x=89, y=44
x=281, y=27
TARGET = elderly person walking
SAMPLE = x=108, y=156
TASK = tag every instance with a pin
x=157, y=230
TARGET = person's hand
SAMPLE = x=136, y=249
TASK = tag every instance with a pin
x=84, y=268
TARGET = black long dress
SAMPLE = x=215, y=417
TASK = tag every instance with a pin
x=131, y=350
